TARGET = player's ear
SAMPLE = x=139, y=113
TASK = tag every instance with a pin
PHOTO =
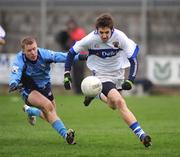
x=96, y=31
x=22, y=50
x=112, y=30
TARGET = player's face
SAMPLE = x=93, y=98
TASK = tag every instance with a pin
x=31, y=51
x=104, y=33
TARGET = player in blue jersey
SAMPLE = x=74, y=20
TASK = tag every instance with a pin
x=110, y=52
x=30, y=71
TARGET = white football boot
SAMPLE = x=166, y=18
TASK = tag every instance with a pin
x=31, y=119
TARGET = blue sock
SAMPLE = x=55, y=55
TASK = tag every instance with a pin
x=33, y=111
x=137, y=130
x=60, y=128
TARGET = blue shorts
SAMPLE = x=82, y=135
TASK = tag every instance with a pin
x=46, y=91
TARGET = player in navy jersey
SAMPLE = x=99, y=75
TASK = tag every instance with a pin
x=30, y=70
x=110, y=52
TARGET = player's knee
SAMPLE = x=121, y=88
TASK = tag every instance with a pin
x=111, y=104
x=120, y=103
x=48, y=107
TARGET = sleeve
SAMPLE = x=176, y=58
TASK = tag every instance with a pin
x=57, y=57
x=131, y=49
x=53, y=56
x=78, y=47
x=133, y=64
x=16, y=70
x=69, y=60
x=133, y=69
x=82, y=45
x=129, y=46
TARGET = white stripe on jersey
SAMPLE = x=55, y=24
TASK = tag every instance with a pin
x=109, y=56
x=135, y=70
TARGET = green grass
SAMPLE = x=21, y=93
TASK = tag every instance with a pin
x=100, y=132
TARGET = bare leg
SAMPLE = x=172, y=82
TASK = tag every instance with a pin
x=115, y=100
x=49, y=113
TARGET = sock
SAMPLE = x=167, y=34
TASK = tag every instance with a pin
x=32, y=111
x=137, y=130
x=60, y=128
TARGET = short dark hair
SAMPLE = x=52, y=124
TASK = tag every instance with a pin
x=104, y=20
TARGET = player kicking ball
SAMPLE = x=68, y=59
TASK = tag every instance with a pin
x=110, y=52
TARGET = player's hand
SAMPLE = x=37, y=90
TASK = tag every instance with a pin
x=127, y=85
x=12, y=87
x=67, y=80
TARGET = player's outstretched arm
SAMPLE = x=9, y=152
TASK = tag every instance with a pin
x=128, y=84
x=68, y=65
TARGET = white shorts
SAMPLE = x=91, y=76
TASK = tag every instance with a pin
x=117, y=77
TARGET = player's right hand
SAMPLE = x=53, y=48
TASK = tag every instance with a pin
x=67, y=80
x=127, y=85
x=12, y=87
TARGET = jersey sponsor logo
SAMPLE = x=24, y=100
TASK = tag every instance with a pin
x=108, y=54
x=103, y=53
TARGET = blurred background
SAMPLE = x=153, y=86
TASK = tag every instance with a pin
x=153, y=24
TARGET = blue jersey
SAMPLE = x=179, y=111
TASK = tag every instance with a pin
x=38, y=70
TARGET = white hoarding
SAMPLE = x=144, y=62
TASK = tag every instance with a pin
x=164, y=70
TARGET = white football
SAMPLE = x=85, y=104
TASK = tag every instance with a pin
x=91, y=86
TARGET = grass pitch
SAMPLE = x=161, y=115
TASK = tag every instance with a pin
x=100, y=131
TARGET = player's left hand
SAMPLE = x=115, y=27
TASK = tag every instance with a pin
x=12, y=87
x=127, y=85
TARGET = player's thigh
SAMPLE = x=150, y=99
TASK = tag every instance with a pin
x=107, y=88
x=37, y=99
x=114, y=95
x=116, y=98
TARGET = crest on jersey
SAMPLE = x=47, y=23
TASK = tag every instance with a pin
x=14, y=69
x=96, y=45
x=116, y=44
